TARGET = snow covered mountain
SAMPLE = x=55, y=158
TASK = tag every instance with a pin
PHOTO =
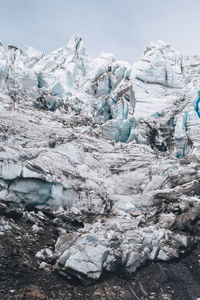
x=111, y=145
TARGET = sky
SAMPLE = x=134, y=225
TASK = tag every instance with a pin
x=121, y=27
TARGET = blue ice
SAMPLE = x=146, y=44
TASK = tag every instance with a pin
x=196, y=105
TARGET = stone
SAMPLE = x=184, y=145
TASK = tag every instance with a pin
x=31, y=292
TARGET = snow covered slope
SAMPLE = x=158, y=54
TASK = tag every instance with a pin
x=112, y=145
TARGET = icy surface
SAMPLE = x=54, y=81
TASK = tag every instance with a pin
x=115, y=146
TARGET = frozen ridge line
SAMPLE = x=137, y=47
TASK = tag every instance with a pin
x=111, y=145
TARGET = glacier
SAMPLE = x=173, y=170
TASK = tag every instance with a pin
x=113, y=145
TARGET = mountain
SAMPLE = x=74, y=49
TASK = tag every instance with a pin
x=109, y=147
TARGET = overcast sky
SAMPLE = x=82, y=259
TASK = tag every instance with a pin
x=122, y=27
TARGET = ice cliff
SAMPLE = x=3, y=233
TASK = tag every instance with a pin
x=111, y=145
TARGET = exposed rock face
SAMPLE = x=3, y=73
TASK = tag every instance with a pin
x=111, y=146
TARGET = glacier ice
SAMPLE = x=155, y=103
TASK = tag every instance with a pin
x=196, y=107
x=113, y=145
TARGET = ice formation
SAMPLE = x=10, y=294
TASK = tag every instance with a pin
x=112, y=145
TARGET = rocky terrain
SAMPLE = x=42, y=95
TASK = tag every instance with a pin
x=29, y=276
x=99, y=174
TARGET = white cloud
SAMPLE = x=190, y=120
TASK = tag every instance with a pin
x=121, y=27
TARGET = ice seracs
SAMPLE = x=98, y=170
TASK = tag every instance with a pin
x=110, y=146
